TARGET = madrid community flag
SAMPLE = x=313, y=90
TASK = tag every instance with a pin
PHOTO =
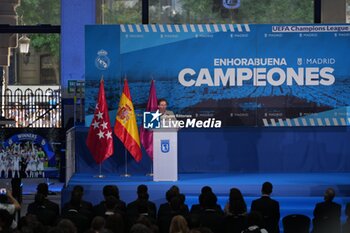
x=100, y=140
x=125, y=127
x=147, y=135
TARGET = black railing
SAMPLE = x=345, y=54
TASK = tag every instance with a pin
x=32, y=108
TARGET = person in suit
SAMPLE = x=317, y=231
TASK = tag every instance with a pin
x=210, y=217
x=197, y=209
x=327, y=214
x=175, y=205
x=166, y=115
x=141, y=205
x=46, y=216
x=165, y=208
x=75, y=213
x=44, y=203
x=268, y=208
x=77, y=196
x=110, y=190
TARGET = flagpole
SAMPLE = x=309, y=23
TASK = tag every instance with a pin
x=151, y=173
x=100, y=175
x=126, y=165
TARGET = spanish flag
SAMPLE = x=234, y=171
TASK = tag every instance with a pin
x=125, y=127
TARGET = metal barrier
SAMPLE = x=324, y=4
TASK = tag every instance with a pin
x=33, y=108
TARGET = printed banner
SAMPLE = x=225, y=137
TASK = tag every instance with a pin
x=31, y=153
x=32, y=139
x=243, y=75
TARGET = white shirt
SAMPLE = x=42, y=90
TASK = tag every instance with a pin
x=9, y=207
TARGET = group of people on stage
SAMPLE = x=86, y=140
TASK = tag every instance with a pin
x=112, y=215
x=22, y=160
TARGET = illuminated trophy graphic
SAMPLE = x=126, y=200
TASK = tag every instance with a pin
x=231, y=4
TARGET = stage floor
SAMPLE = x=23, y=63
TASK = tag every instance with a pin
x=309, y=184
x=296, y=192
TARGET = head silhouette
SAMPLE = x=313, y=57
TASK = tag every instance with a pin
x=266, y=188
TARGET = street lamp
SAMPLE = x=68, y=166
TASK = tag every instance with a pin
x=24, y=42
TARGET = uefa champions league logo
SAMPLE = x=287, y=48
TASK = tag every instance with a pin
x=102, y=61
x=231, y=4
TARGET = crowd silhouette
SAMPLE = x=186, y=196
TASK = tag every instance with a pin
x=113, y=215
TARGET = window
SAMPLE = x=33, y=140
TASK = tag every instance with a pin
x=208, y=11
x=39, y=12
x=41, y=65
x=119, y=11
x=347, y=11
x=24, y=98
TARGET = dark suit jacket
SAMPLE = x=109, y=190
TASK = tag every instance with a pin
x=81, y=221
x=164, y=209
x=197, y=210
x=85, y=209
x=133, y=213
x=53, y=206
x=47, y=213
x=212, y=219
x=235, y=223
x=270, y=210
x=327, y=217
x=100, y=209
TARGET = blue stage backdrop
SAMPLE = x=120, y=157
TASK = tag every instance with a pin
x=237, y=149
x=244, y=75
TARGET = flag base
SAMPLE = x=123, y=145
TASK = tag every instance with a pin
x=125, y=175
x=100, y=176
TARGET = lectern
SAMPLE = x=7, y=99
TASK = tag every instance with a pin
x=165, y=154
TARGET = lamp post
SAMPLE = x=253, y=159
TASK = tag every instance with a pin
x=24, y=43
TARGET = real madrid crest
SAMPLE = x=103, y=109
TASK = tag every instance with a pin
x=102, y=61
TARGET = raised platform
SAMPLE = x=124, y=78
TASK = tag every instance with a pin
x=296, y=192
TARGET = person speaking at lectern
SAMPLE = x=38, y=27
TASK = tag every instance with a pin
x=166, y=115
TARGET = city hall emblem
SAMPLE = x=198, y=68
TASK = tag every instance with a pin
x=165, y=146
